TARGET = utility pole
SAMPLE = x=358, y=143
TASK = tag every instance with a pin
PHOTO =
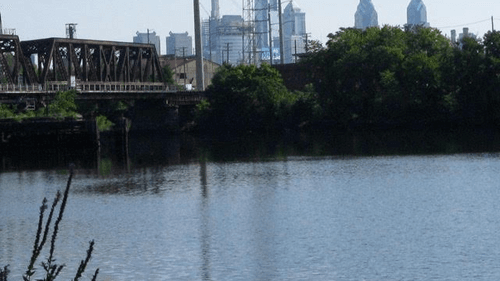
x=492, y=25
x=295, y=57
x=281, y=31
x=1, y=28
x=227, y=53
x=184, y=62
x=307, y=42
x=200, y=79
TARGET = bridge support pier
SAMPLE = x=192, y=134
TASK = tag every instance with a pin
x=154, y=115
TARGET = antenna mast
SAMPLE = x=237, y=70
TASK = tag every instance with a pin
x=71, y=30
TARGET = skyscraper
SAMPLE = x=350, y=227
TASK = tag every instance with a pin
x=417, y=13
x=261, y=24
x=365, y=16
x=180, y=44
x=294, y=32
x=148, y=38
x=215, y=9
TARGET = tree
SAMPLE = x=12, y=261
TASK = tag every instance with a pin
x=380, y=75
x=168, y=75
x=246, y=98
x=491, y=42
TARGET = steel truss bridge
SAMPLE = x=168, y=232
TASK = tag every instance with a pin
x=95, y=69
x=56, y=59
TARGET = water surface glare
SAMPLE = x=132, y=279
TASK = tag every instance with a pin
x=302, y=218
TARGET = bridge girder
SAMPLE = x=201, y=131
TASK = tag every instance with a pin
x=12, y=61
x=88, y=60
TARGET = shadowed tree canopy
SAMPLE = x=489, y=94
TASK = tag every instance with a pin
x=381, y=75
x=246, y=98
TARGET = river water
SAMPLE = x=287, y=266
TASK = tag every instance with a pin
x=416, y=208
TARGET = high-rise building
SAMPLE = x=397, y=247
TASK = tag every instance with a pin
x=261, y=24
x=148, y=38
x=222, y=39
x=365, y=16
x=236, y=39
x=230, y=39
x=294, y=32
x=215, y=9
x=417, y=14
x=180, y=44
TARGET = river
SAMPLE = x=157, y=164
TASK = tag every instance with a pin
x=341, y=208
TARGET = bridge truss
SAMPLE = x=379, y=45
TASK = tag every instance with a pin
x=12, y=61
x=57, y=59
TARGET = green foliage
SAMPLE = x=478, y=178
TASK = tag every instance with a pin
x=6, y=111
x=168, y=75
x=247, y=98
x=63, y=105
x=384, y=75
x=103, y=123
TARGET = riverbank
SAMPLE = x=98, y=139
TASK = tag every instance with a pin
x=46, y=132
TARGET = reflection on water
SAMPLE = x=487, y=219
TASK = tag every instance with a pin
x=335, y=207
x=116, y=156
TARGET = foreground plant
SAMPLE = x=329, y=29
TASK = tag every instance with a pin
x=51, y=268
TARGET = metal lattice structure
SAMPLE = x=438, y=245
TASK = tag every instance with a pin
x=89, y=60
x=56, y=59
x=12, y=61
x=249, y=40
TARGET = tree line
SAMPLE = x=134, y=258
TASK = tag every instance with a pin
x=388, y=76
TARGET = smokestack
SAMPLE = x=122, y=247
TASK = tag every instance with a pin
x=1, y=27
x=215, y=9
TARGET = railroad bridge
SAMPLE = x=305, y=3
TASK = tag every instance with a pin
x=33, y=72
x=58, y=59
x=96, y=69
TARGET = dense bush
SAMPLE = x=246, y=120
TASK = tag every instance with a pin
x=248, y=98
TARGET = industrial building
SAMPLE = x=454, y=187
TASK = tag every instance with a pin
x=254, y=37
x=184, y=70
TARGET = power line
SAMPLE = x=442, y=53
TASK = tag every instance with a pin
x=466, y=24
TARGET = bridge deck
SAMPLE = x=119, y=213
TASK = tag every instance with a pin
x=103, y=91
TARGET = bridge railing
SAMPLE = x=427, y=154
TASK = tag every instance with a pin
x=120, y=87
x=89, y=87
x=20, y=88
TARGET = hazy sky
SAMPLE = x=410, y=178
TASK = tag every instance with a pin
x=119, y=20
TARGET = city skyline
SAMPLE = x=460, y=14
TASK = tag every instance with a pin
x=115, y=20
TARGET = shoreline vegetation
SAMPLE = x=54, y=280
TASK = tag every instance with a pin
x=50, y=267
x=376, y=79
x=381, y=78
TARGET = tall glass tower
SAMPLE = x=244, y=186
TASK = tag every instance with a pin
x=261, y=23
x=365, y=16
x=294, y=32
x=417, y=13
